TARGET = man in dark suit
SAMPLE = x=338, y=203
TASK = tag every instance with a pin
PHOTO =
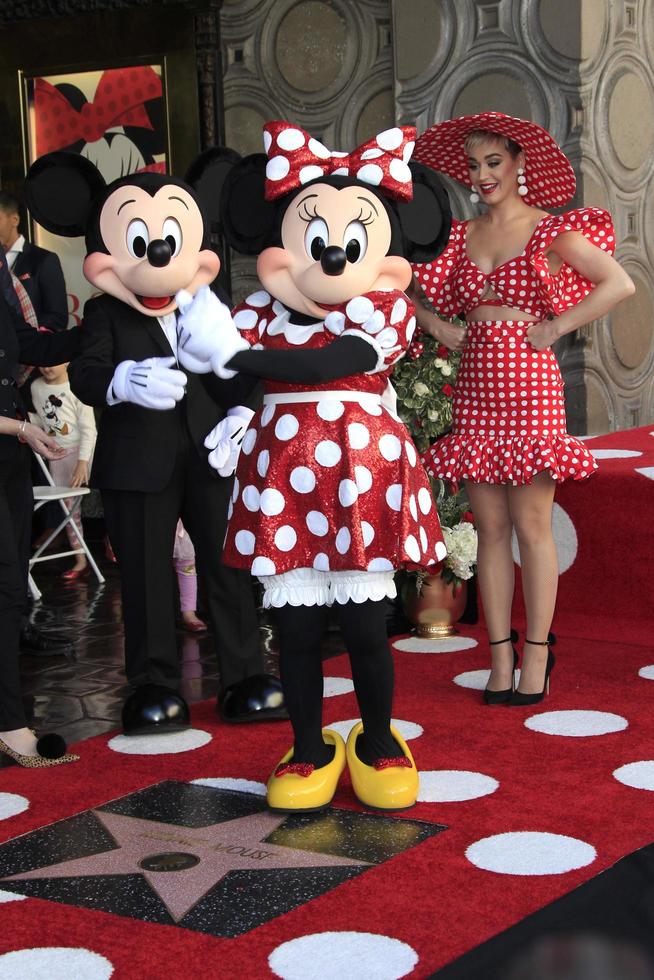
x=38, y=269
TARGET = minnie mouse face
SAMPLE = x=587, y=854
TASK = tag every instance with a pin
x=153, y=248
x=328, y=226
x=146, y=235
x=335, y=242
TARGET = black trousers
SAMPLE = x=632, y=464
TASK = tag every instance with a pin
x=16, y=508
x=141, y=527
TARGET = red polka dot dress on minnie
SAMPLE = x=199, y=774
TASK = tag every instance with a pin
x=328, y=477
x=508, y=409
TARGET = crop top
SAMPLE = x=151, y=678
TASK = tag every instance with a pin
x=454, y=285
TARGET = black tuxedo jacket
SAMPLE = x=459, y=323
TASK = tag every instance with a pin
x=41, y=274
x=20, y=343
x=136, y=446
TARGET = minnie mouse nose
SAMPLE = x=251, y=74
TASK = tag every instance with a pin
x=333, y=260
x=159, y=253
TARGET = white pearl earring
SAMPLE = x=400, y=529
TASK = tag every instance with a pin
x=523, y=190
x=474, y=198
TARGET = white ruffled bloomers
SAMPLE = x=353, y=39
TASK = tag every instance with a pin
x=310, y=587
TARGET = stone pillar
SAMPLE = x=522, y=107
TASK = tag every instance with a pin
x=324, y=64
x=580, y=68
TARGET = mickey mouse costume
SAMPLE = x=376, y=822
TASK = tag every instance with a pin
x=147, y=238
x=330, y=497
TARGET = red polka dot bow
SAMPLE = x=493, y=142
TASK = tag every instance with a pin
x=119, y=101
x=295, y=158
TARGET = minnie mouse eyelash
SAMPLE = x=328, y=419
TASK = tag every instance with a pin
x=367, y=220
x=306, y=215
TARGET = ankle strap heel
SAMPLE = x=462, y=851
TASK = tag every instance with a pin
x=520, y=699
x=502, y=697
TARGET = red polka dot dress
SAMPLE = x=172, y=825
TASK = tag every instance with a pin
x=328, y=477
x=509, y=418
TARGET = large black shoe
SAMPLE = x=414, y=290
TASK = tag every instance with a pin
x=39, y=644
x=257, y=698
x=154, y=708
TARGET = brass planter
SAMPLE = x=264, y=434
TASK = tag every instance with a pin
x=438, y=607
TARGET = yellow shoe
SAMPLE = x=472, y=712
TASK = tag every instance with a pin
x=383, y=787
x=303, y=789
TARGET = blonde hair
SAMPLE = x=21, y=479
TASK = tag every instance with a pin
x=478, y=136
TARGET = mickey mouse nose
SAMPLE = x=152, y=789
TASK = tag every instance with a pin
x=159, y=253
x=333, y=260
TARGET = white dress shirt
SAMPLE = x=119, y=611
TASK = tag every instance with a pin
x=15, y=250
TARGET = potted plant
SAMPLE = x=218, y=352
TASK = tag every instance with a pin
x=424, y=383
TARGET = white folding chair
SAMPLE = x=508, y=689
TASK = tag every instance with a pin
x=45, y=494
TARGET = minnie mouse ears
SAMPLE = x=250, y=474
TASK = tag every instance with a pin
x=59, y=191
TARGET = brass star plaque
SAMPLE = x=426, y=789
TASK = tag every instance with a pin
x=212, y=860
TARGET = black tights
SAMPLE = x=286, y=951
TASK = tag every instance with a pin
x=363, y=625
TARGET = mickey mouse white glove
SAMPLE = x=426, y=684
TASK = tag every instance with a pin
x=152, y=383
x=225, y=439
x=206, y=336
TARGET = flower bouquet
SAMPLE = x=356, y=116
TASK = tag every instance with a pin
x=424, y=382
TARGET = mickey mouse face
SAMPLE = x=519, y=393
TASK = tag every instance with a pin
x=153, y=248
x=335, y=242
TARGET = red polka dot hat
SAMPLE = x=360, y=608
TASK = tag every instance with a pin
x=550, y=178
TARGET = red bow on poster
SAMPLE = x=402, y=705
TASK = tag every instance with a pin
x=119, y=101
x=295, y=158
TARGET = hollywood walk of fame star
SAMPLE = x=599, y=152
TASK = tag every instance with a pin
x=231, y=845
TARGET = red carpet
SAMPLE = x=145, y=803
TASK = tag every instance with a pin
x=435, y=899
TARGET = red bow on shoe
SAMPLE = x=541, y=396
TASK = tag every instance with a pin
x=295, y=768
x=119, y=101
x=295, y=158
x=401, y=762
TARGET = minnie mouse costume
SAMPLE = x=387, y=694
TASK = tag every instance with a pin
x=330, y=497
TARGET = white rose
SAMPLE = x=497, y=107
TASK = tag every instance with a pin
x=439, y=362
x=446, y=370
x=461, y=544
x=432, y=415
x=420, y=388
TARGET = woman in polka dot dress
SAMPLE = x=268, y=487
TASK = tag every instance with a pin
x=523, y=279
x=330, y=497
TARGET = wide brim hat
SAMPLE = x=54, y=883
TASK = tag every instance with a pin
x=550, y=178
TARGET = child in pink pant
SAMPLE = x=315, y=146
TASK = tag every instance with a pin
x=184, y=562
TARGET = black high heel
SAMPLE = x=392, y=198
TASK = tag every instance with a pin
x=502, y=697
x=517, y=697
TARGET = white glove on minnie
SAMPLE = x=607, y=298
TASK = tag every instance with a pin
x=152, y=383
x=206, y=336
x=225, y=439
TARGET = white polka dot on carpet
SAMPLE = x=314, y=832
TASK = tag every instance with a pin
x=647, y=672
x=476, y=680
x=454, y=786
x=615, y=453
x=407, y=729
x=11, y=804
x=333, y=686
x=530, y=853
x=448, y=644
x=54, y=963
x=11, y=897
x=565, y=539
x=576, y=724
x=336, y=955
x=639, y=775
x=169, y=744
x=229, y=782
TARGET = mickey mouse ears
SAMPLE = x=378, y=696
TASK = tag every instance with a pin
x=59, y=191
x=550, y=177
